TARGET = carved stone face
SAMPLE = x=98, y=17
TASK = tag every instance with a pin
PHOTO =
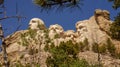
x=34, y=22
x=81, y=28
x=56, y=28
x=70, y=34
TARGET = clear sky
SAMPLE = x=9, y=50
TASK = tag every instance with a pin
x=66, y=19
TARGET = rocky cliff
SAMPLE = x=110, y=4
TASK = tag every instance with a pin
x=27, y=46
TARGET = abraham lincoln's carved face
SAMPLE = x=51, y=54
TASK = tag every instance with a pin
x=81, y=28
x=34, y=22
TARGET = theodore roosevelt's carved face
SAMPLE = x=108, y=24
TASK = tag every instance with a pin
x=56, y=28
x=70, y=34
x=34, y=22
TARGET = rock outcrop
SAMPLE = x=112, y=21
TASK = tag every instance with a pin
x=106, y=60
x=95, y=29
x=27, y=46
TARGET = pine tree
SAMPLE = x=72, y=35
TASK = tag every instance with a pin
x=50, y=3
x=115, y=28
x=116, y=3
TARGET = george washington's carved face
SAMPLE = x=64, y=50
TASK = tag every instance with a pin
x=34, y=22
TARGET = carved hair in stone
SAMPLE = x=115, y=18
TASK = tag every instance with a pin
x=70, y=35
x=36, y=23
x=81, y=27
x=55, y=29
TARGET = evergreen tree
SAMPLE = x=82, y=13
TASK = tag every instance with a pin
x=50, y=3
x=116, y=3
x=111, y=47
x=115, y=28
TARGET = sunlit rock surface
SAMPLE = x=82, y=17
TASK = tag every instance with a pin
x=28, y=45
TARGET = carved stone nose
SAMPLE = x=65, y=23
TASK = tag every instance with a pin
x=29, y=25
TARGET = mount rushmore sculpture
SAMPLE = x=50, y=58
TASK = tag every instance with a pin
x=37, y=36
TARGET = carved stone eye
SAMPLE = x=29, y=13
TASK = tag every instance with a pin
x=81, y=27
x=33, y=21
x=77, y=24
x=56, y=28
x=69, y=35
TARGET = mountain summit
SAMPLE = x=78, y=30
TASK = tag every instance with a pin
x=34, y=46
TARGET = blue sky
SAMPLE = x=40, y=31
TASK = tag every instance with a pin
x=66, y=18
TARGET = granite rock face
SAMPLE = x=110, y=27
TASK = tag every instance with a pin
x=95, y=29
x=28, y=45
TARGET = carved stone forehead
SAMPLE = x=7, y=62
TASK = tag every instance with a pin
x=70, y=32
x=81, y=23
x=56, y=26
x=36, y=20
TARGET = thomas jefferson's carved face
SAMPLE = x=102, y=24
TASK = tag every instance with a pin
x=33, y=24
x=56, y=28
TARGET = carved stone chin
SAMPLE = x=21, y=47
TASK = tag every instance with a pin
x=55, y=29
x=70, y=35
x=81, y=27
x=35, y=22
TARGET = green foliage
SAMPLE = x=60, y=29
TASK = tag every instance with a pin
x=102, y=49
x=37, y=65
x=46, y=31
x=22, y=56
x=116, y=3
x=95, y=47
x=32, y=33
x=56, y=36
x=81, y=46
x=111, y=47
x=99, y=48
x=65, y=55
x=33, y=51
x=46, y=48
x=0, y=65
x=96, y=65
x=50, y=3
x=24, y=41
x=28, y=65
x=48, y=40
x=67, y=63
x=117, y=55
x=115, y=28
x=40, y=2
x=41, y=26
x=18, y=64
x=80, y=63
x=86, y=43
